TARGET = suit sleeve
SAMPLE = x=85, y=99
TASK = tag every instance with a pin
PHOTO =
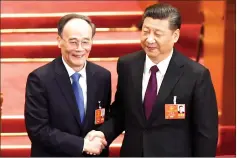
x=115, y=125
x=38, y=124
x=205, y=117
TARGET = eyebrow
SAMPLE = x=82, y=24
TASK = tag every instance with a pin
x=152, y=28
x=81, y=39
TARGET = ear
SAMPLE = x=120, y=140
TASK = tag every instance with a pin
x=176, y=35
x=59, y=39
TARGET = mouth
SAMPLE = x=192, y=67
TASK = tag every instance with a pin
x=150, y=48
x=78, y=56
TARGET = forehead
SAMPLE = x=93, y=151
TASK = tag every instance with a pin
x=77, y=28
x=156, y=24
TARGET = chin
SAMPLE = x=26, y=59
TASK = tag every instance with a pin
x=78, y=63
x=152, y=53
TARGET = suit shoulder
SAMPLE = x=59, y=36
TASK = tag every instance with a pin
x=44, y=71
x=193, y=65
x=132, y=56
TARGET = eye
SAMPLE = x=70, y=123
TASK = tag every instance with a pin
x=73, y=42
x=157, y=34
x=85, y=42
x=145, y=32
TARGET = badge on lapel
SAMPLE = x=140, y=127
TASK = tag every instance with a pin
x=175, y=111
x=99, y=114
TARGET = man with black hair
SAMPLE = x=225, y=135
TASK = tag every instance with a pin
x=151, y=83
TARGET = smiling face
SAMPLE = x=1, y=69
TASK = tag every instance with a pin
x=157, y=39
x=75, y=43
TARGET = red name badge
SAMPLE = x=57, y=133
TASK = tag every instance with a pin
x=99, y=116
x=174, y=111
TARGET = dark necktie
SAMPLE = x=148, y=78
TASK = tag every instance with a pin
x=151, y=92
x=78, y=94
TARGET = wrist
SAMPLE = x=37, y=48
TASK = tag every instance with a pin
x=86, y=144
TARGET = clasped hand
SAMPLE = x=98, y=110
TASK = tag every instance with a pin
x=94, y=142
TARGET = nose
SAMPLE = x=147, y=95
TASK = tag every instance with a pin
x=150, y=39
x=79, y=47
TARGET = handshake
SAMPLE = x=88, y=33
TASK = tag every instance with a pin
x=94, y=142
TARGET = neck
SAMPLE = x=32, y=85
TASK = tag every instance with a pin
x=160, y=58
x=78, y=68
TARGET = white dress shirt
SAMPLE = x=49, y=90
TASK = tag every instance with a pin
x=162, y=66
x=82, y=80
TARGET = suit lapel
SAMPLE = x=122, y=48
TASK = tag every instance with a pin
x=172, y=76
x=137, y=75
x=91, y=92
x=64, y=83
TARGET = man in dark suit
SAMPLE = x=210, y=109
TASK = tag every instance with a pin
x=62, y=96
x=151, y=83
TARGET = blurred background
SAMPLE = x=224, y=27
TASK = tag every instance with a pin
x=28, y=40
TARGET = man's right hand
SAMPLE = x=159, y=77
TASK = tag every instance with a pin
x=94, y=143
x=93, y=134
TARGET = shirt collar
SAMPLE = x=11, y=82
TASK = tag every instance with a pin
x=162, y=66
x=71, y=71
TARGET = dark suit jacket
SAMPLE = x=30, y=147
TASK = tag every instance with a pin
x=196, y=135
x=51, y=113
